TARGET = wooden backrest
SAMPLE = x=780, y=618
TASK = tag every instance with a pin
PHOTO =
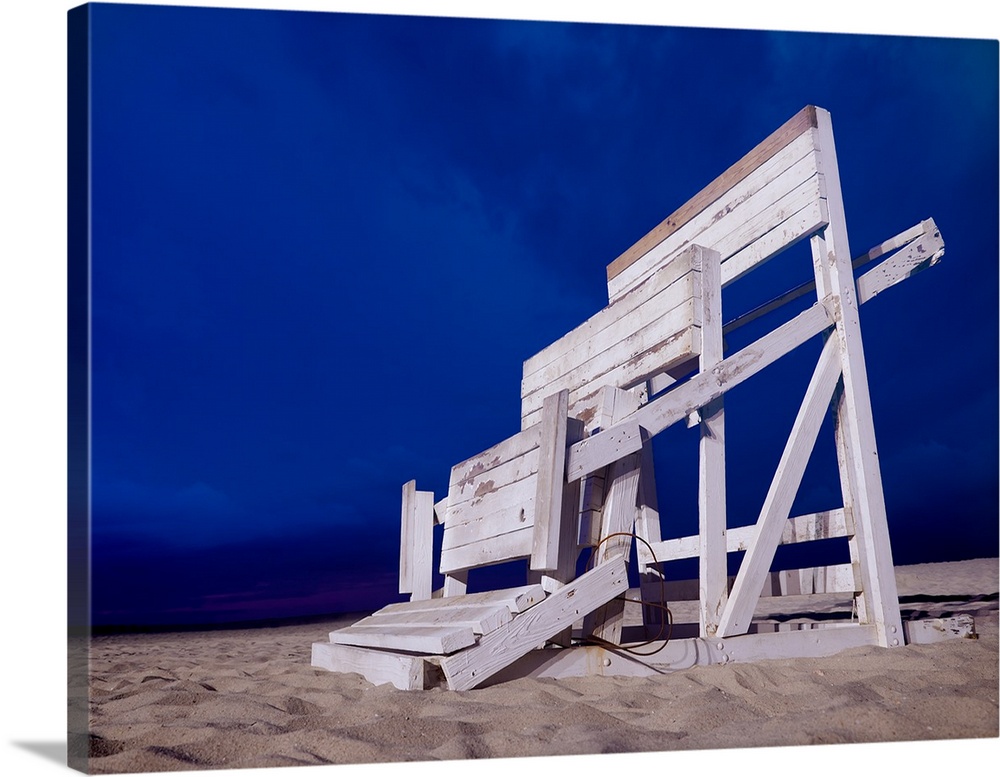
x=653, y=327
x=770, y=199
x=508, y=502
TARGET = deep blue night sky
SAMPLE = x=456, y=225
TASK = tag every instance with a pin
x=324, y=243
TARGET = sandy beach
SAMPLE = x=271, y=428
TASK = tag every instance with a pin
x=249, y=698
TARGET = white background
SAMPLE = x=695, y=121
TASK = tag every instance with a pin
x=33, y=373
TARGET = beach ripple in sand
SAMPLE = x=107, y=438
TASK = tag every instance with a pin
x=250, y=698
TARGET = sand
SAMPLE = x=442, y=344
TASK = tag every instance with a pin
x=249, y=698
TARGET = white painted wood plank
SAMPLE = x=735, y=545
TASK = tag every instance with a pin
x=567, y=550
x=808, y=643
x=895, y=242
x=491, y=550
x=924, y=252
x=502, y=452
x=758, y=161
x=841, y=430
x=377, y=667
x=872, y=282
x=481, y=618
x=832, y=262
x=747, y=231
x=666, y=410
x=549, y=482
x=931, y=630
x=754, y=217
x=422, y=552
x=517, y=599
x=785, y=484
x=803, y=528
x=672, y=351
x=407, y=528
x=800, y=224
x=655, y=333
x=682, y=654
x=433, y=640
x=517, y=515
x=617, y=519
x=604, y=448
x=647, y=525
x=456, y=583
x=663, y=291
x=532, y=628
x=712, y=575
x=767, y=184
x=832, y=579
x=489, y=481
x=506, y=503
x=440, y=510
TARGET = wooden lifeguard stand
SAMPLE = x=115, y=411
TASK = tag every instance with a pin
x=580, y=471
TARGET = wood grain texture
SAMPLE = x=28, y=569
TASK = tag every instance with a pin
x=801, y=122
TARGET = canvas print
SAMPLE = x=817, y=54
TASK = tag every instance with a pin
x=454, y=388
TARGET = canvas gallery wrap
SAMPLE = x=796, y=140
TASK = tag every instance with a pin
x=455, y=388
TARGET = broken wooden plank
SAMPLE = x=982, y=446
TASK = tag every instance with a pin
x=516, y=599
x=481, y=618
x=531, y=629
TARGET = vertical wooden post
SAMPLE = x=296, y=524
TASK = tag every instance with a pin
x=416, y=542
x=618, y=513
x=835, y=278
x=712, y=578
x=647, y=527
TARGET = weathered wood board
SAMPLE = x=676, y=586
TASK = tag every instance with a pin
x=652, y=328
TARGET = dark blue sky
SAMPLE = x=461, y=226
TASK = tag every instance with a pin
x=324, y=243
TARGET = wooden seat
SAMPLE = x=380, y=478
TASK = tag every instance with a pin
x=508, y=502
